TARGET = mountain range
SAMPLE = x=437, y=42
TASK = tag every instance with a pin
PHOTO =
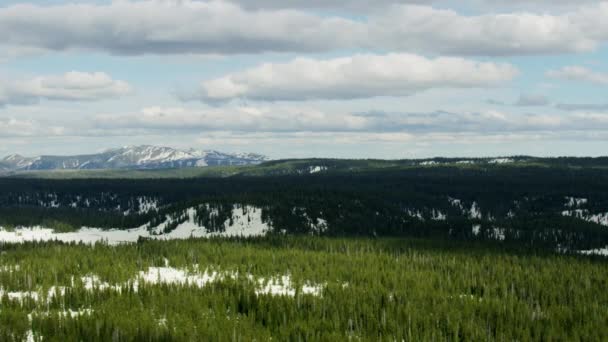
x=131, y=157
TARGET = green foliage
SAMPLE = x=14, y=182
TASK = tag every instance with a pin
x=59, y=227
x=374, y=289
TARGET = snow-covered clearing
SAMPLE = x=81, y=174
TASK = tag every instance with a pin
x=282, y=285
x=246, y=221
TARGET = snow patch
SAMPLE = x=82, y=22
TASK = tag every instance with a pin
x=438, y=215
x=573, y=202
x=475, y=212
x=501, y=161
x=416, y=214
x=476, y=229
x=600, y=251
x=584, y=214
x=429, y=163
x=498, y=234
x=317, y=169
x=276, y=286
x=246, y=222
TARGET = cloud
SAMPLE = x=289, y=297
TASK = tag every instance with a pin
x=359, y=76
x=171, y=27
x=274, y=119
x=531, y=100
x=291, y=119
x=366, y=5
x=429, y=29
x=71, y=86
x=218, y=27
x=579, y=73
x=586, y=107
x=11, y=127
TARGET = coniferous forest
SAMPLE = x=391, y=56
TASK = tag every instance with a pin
x=300, y=288
x=453, y=253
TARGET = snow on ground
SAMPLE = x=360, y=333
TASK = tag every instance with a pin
x=416, y=214
x=501, y=161
x=283, y=286
x=9, y=268
x=437, y=215
x=455, y=202
x=33, y=295
x=317, y=169
x=429, y=163
x=66, y=313
x=601, y=251
x=584, y=214
x=475, y=212
x=19, y=295
x=247, y=221
x=573, y=202
x=147, y=204
x=498, y=234
x=85, y=235
x=276, y=286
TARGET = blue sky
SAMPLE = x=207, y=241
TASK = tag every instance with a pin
x=361, y=79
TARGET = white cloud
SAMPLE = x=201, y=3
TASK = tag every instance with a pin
x=71, y=86
x=588, y=107
x=292, y=119
x=274, y=119
x=360, y=76
x=429, y=29
x=579, y=73
x=11, y=127
x=171, y=27
x=366, y=5
x=199, y=27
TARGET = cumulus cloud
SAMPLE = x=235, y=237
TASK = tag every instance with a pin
x=579, y=73
x=171, y=27
x=71, y=86
x=219, y=27
x=359, y=76
x=446, y=31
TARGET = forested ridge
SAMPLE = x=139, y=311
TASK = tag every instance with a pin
x=527, y=204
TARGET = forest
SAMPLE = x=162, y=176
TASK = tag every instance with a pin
x=550, y=207
x=300, y=289
x=366, y=252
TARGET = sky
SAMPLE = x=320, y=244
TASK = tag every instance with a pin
x=306, y=78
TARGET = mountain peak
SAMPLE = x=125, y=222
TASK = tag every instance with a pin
x=133, y=157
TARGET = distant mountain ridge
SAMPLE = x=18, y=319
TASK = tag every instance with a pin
x=131, y=157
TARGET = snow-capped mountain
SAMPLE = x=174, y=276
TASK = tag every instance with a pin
x=131, y=157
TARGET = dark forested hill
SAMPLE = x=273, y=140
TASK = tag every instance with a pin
x=537, y=202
